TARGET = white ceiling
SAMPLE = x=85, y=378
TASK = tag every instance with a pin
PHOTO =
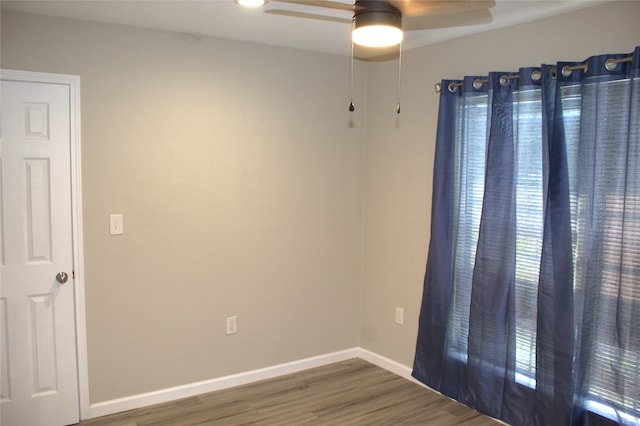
x=226, y=19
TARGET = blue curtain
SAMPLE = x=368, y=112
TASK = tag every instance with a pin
x=531, y=302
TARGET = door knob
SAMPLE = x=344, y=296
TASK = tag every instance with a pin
x=62, y=277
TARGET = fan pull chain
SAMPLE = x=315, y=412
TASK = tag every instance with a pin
x=399, y=80
x=351, y=107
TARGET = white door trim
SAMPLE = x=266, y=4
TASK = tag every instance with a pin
x=76, y=216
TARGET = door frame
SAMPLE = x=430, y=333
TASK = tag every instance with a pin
x=73, y=82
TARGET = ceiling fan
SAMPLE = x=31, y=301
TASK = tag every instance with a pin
x=392, y=16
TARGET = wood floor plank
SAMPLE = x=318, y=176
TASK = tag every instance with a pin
x=352, y=392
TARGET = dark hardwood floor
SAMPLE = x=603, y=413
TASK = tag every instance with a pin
x=352, y=392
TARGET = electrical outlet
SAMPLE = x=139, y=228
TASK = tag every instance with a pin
x=399, y=316
x=232, y=325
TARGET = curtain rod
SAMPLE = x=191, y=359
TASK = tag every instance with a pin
x=610, y=65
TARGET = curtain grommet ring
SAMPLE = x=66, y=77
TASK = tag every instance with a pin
x=477, y=84
x=536, y=75
x=452, y=87
x=504, y=80
x=554, y=73
x=611, y=65
x=566, y=71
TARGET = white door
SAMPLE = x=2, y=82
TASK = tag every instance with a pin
x=39, y=375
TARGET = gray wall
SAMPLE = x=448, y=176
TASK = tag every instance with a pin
x=252, y=194
x=399, y=160
x=238, y=173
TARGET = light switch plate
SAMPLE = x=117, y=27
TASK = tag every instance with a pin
x=116, y=225
x=232, y=325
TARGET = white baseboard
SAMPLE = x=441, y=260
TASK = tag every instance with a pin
x=388, y=364
x=171, y=394
x=165, y=395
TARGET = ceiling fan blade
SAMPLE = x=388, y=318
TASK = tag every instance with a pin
x=320, y=3
x=432, y=22
x=307, y=15
x=410, y=8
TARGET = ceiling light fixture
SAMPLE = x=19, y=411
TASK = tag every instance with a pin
x=251, y=3
x=376, y=24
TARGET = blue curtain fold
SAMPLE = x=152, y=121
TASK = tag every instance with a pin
x=530, y=309
x=491, y=315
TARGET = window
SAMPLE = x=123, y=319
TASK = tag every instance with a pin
x=531, y=303
x=611, y=261
x=469, y=192
x=606, y=229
